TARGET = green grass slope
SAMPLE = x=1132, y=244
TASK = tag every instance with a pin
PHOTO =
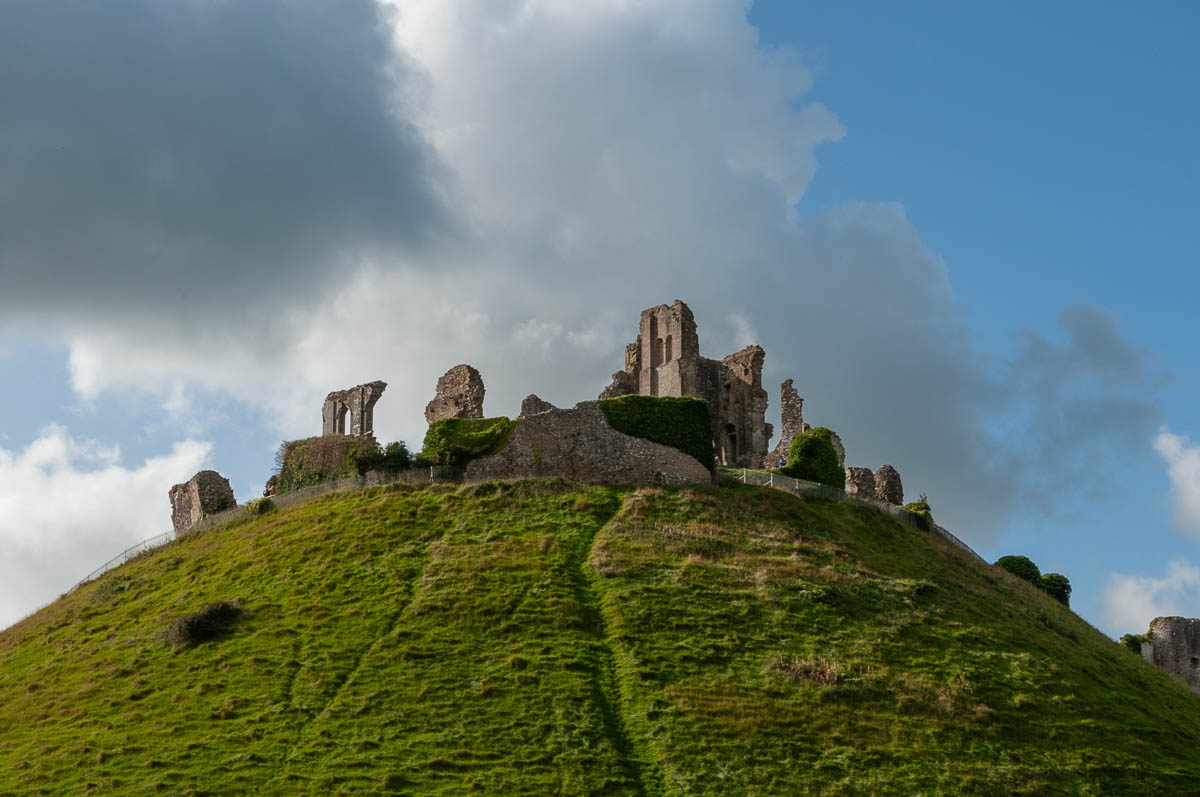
x=549, y=638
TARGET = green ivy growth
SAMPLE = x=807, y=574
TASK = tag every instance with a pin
x=1134, y=642
x=813, y=458
x=457, y=441
x=923, y=512
x=679, y=422
x=320, y=459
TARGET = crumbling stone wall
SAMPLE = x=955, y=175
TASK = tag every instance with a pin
x=888, y=487
x=206, y=493
x=665, y=361
x=459, y=395
x=791, y=408
x=358, y=402
x=860, y=482
x=534, y=405
x=1174, y=647
x=579, y=444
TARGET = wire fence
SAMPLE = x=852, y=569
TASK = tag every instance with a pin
x=291, y=498
x=801, y=487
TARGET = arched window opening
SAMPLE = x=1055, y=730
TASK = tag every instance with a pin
x=668, y=355
x=339, y=425
x=660, y=350
x=729, y=448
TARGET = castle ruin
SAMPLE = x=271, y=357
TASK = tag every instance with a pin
x=665, y=361
x=359, y=403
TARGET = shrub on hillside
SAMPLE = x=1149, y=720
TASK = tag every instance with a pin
x=1134, y=642
x=260, y=506
x=681, y=422
x=457, y=441
x=1021, y=567
x=1058, y=587
x=396, y=457
x=212, y=622
x=923, y=512
x=813, y=458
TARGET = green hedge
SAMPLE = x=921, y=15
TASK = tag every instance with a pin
x=813, y=458
x=457, y=441
x=679, y=422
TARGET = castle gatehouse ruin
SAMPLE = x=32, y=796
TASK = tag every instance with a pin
x=359, y=403
x=665, y=361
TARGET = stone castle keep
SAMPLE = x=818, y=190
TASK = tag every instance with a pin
x=665, y=361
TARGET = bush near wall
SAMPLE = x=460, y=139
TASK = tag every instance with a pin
x=813, y=458
x=680, y=422
x=457, y=441
x=923, y=512
x=320, y=459
x=1134, y=642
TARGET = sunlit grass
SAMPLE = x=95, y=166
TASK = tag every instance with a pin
x=551, y=638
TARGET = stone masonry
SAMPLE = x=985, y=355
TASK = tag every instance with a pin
x=358, y=402
x=206, y=493
x=534, y=405
x=888, y=487
x=580, y=445
x=860, y=482
x=1174, y=647
x=459, y=395
x=665, y=361
x=791, y=408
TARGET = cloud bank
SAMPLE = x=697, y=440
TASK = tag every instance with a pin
x=1131, y=602
x=1182, y=458
x=279, y=200
x=67, y=505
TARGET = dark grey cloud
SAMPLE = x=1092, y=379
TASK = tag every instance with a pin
x=200, y=156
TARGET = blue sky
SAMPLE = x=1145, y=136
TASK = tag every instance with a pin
x=967, y=232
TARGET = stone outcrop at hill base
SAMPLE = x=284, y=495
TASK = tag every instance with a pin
x=579, y=444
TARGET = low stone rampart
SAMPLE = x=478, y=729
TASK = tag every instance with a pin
x=579, y=444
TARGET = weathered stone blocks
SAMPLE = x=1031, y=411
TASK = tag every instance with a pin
x=860, y=482
x=459, y=395
x=579, y=444
x=1175, y=648
x=358, y=402
x=888, y=487
x=534, y=405
x=206, y=493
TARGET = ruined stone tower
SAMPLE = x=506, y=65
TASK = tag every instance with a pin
x=665, y=361
x=358, y=402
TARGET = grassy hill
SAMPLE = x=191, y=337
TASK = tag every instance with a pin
x=546, y=638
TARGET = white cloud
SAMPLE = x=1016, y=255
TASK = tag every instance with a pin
x=1130, y=602
x=572, y=162
x=67, y=505
x=1183, y=468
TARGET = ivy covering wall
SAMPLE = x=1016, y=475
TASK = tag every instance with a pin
x=679, y=422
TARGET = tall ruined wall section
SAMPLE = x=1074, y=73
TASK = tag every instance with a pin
x=1174, y=647
x=665, y=361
